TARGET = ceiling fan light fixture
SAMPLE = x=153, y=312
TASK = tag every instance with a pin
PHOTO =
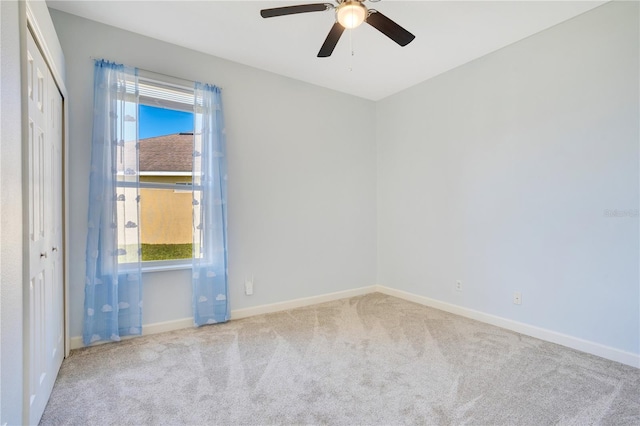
x=351, y=13
x=348, y=14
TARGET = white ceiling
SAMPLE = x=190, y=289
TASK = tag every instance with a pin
x=448, y=34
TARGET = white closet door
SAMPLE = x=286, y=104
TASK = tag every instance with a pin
x=46, y=307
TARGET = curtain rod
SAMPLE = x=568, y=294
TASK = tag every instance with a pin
x=183, y=80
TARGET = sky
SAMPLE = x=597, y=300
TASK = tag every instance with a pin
x=154, y=121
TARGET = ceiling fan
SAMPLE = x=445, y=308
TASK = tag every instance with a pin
x=349, y=14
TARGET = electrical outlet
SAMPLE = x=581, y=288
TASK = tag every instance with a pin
x=459, y=285
x=248, y=286
x=517, y=298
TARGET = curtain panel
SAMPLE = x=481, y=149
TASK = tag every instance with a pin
x=113, y=284
x=210, y=290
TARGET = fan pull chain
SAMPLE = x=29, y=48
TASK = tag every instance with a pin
x=351, y=50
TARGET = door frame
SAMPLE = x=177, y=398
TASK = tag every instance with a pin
x=38, y=22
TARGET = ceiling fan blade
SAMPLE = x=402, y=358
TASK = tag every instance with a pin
x=330, y=42
x=389, y=28
x=290, y=10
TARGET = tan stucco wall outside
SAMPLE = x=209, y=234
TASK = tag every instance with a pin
x=165, y=214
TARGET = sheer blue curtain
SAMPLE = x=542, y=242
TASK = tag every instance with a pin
x=113, y=288
x=210, y=293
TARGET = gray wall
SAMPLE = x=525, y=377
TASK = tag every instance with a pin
x=500, y=173
x=302, y=211
x=11, y=364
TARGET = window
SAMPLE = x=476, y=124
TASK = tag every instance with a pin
x=113, y=281
x=165, y=138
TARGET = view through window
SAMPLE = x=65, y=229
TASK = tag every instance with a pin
x=165, y=164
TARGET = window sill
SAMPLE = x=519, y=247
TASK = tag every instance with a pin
x=164, y=266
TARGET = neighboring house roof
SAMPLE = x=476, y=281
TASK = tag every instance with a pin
x=170, y=153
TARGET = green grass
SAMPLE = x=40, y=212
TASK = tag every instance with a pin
x=166, y=251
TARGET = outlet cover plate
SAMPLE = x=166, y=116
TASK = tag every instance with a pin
x=517, y=298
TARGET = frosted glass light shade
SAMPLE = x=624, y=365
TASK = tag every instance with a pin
x=351, y=14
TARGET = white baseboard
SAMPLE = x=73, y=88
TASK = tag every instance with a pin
x=589, y=347
x=161, y=327
x=299, y=303
x=155, y=328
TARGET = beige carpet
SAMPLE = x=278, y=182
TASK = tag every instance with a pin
x=370, y=360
